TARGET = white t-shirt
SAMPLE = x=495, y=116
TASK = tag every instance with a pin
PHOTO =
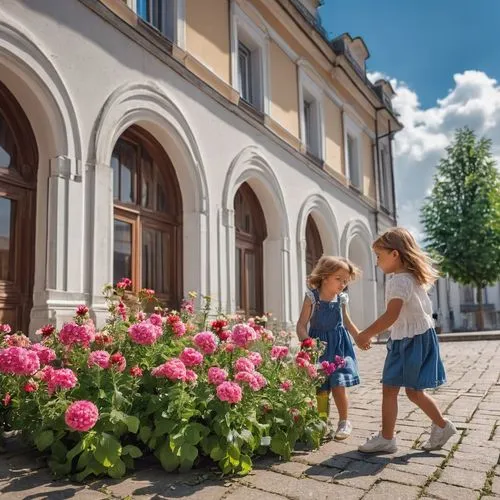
x=415, y=317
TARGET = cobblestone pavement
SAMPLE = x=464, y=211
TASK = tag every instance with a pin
x=467, y=469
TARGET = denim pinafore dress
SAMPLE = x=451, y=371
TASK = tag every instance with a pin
x=326, y=323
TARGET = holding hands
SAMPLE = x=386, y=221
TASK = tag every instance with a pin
x=363, y=341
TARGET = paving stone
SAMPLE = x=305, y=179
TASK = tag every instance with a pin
x=385, y=490
x=300, y=488
x=398, y=476
x=291, y=468
x=245, y=493
x=459, y=477
x=469, y=465
x=448, y=492
x=413, y=468
x=495, y=486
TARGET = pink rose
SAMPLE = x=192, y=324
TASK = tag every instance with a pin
x=190, y=377
x=206, y=341
x=230, y=392
x=279, y=352
x=244, y=365
x=255, y=358
x=216, y=375
x=63, y=379
x=18, y=361
x=174, y=369
x=191, y=357
x=44, y=353
x=144, y=333
x=81, y=416
x=243, y=335
x=98, y=358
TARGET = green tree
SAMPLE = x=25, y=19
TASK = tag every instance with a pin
x=461, y=216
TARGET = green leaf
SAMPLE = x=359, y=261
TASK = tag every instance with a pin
x=132, y=423
x=78, y=448
x=163, y=426
x=118, y=470
x=280, y=445
x=168, y=459
x=44, y=439
x=108, y=450
x=58, y=468
x=102, y=394
x=188, y=453
x=234, y=452
x=83, y=460
x=217, y=454
x=247, y=437
x=245, y=464
x=132, y=450
x=59, y=450
x=193, y=433
x=145, y=433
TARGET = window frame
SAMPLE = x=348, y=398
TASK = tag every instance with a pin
x=244, y=31
x=312, y=140
x=354, y=132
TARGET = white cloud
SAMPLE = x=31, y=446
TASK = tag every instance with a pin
x=474, y=101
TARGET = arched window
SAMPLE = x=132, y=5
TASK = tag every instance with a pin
x=250, y=228
x=18, y=167
x=314, y=247
x=147, y=216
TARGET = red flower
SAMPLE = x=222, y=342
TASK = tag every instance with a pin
x=82, y=310
x=30, y=387
x=118, y=361
x=6, y=399
x=124, y=283
x=307, y=343
x=47, y=330
x=136, y=371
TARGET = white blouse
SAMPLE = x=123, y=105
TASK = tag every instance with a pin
x=415, y=317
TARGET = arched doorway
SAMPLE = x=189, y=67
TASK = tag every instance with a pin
x=18, y=169
x=250, y=226
x=314, y=246
x=147, y=216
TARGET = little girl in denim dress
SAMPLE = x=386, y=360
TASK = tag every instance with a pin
x=324, y=309
x=413, y=360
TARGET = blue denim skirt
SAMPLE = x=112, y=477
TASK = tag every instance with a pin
x=414, y=362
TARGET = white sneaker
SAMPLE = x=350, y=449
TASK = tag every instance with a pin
x=439, y=437
x=344, y=430
x=378, y=444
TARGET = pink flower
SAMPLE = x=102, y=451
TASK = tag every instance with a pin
x=295, y=413
x=206, y=341
x=249, y=379
x=98, y=358
x=5, y=328
x=286, y=385
x=122, y=310
x=302, y=358
x=187, y=306
x=72, y=333
x=261, y=380
x=179, y=328
x=136, y=371
x=190, y=377
x=156, y=320
x=229, y=347
x=7, y=399
x=307, y=343
x=174, y=369
x=140, y=316
x=63, y=379
x=218, y=327
x=18, y=361
x=44, y=353
x=339, y=362
x=255, y=358
x=81, y=416
x=216, y=375
x=312, y=371
x=147, y=292
x=267, y=335
x=30, y=386
x=244, y=365
x=279, y=352
x=82, y=310
x=144, y=333
x=103, y=339
x=118, y=361
x=124, y=283
x=230, y=392
x=45, y=373
x=191, y=357
x=243, y=335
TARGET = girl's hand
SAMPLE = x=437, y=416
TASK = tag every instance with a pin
x=363, y=342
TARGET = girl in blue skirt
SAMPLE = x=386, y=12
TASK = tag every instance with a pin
x=413, y=360
x=324, y=308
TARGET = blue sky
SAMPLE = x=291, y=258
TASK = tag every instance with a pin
x=422, y=42
x=443, y=60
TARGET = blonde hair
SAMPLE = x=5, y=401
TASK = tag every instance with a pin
x=415, y=260
x=328, y=265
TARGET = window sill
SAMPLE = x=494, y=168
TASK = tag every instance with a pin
x=153, y=34
x=355, y=188
x=315, y=159
x=251, y=110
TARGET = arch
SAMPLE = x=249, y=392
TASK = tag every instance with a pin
x=44, y=97
x=317, y=206
x=147, y=105
x=250, y=166
x=356, y=243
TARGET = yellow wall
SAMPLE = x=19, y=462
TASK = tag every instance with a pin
x=333, y=136
x=367, y=155
x=207, y=35
x=284, y=90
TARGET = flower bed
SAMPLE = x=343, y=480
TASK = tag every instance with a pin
x=154, y=381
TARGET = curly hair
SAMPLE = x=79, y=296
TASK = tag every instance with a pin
x=327, y=265
x=415, y=260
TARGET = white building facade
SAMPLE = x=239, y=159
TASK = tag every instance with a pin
x=125, y=153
